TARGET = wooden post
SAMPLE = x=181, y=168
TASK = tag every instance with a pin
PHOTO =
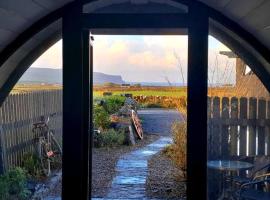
x=86, y=104
x=75, y=132
x=252, y=128
x=216, y=131
x=243, y=128
x=261, y=127
x=234, y=129
x=197, y=104
x=225, y=128
x=91, y=71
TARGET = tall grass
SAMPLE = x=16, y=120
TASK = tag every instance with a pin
x=178, y=150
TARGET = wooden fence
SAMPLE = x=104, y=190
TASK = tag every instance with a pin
x=238, y=127
x=17, y=115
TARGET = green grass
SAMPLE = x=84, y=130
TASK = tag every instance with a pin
x=157, y=92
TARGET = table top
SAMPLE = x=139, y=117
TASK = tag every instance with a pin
x=229, y=165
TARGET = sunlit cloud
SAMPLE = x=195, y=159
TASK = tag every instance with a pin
x=145, y=58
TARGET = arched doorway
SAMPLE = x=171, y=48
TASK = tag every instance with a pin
x=196, y=20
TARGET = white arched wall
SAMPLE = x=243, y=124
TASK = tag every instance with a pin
x=18, y=62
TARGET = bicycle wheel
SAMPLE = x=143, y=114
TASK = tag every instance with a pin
x=44, y=159
x=56, y=158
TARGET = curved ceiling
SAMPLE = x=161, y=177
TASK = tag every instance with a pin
x=29, y=27
x=252, y=15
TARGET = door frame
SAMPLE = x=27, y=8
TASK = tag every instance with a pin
x=76, y=112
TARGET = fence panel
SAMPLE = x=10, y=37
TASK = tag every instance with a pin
x=261, y=128
x=216, y=130
x=17, y=115
x=252, y=127
x=225, y=128
x=267, y=129
x=242, y=129
x=234, y=128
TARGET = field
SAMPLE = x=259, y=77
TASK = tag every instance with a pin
x=144, y=91
x=134, y=90
x=161, y=91
x=24, y=88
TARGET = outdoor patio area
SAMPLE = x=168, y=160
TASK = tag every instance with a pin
x=238, y=148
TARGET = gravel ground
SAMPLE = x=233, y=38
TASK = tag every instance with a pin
x=104, y=161
x=164, y=179
x=160, y=183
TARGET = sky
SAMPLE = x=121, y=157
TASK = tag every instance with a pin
x=146, y=58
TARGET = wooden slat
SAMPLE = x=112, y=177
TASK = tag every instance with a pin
x=25, y=133
x=28, y=110
x=209, y=127
x=261, y=129
x=234, y=129
x=3, y=163
x=7, y=135
x=224, y=128
x=19, y=129
x=243, y=129
x=11, y=135
x=267, y=130
x=15, y=130
x=31, y=115
x=252, y=129
x=216, y=131
x=22, y=132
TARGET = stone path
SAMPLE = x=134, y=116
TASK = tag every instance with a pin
x=131, y=172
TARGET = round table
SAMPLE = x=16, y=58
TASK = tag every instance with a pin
x=228, y=166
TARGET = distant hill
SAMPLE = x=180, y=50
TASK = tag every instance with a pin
x=100, y=78
x=42, y=75
x=54, y=76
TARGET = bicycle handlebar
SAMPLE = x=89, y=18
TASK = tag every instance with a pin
x=43, y=122
x=48, y=119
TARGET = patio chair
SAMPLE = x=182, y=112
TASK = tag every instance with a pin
x=258, y=189
x=261, y=166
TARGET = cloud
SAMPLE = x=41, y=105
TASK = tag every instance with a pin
x=145, y=58
x=52, y=58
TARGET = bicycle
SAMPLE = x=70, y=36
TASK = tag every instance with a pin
x=48, y=149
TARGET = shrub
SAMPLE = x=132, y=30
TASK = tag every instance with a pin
x=177, y=150
x=31, y=163
x=182, y=107
x=4, y=187
x=13, y=185
x=110, y=138
x=101, y=117
x=152, y=105
x=113, y=103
